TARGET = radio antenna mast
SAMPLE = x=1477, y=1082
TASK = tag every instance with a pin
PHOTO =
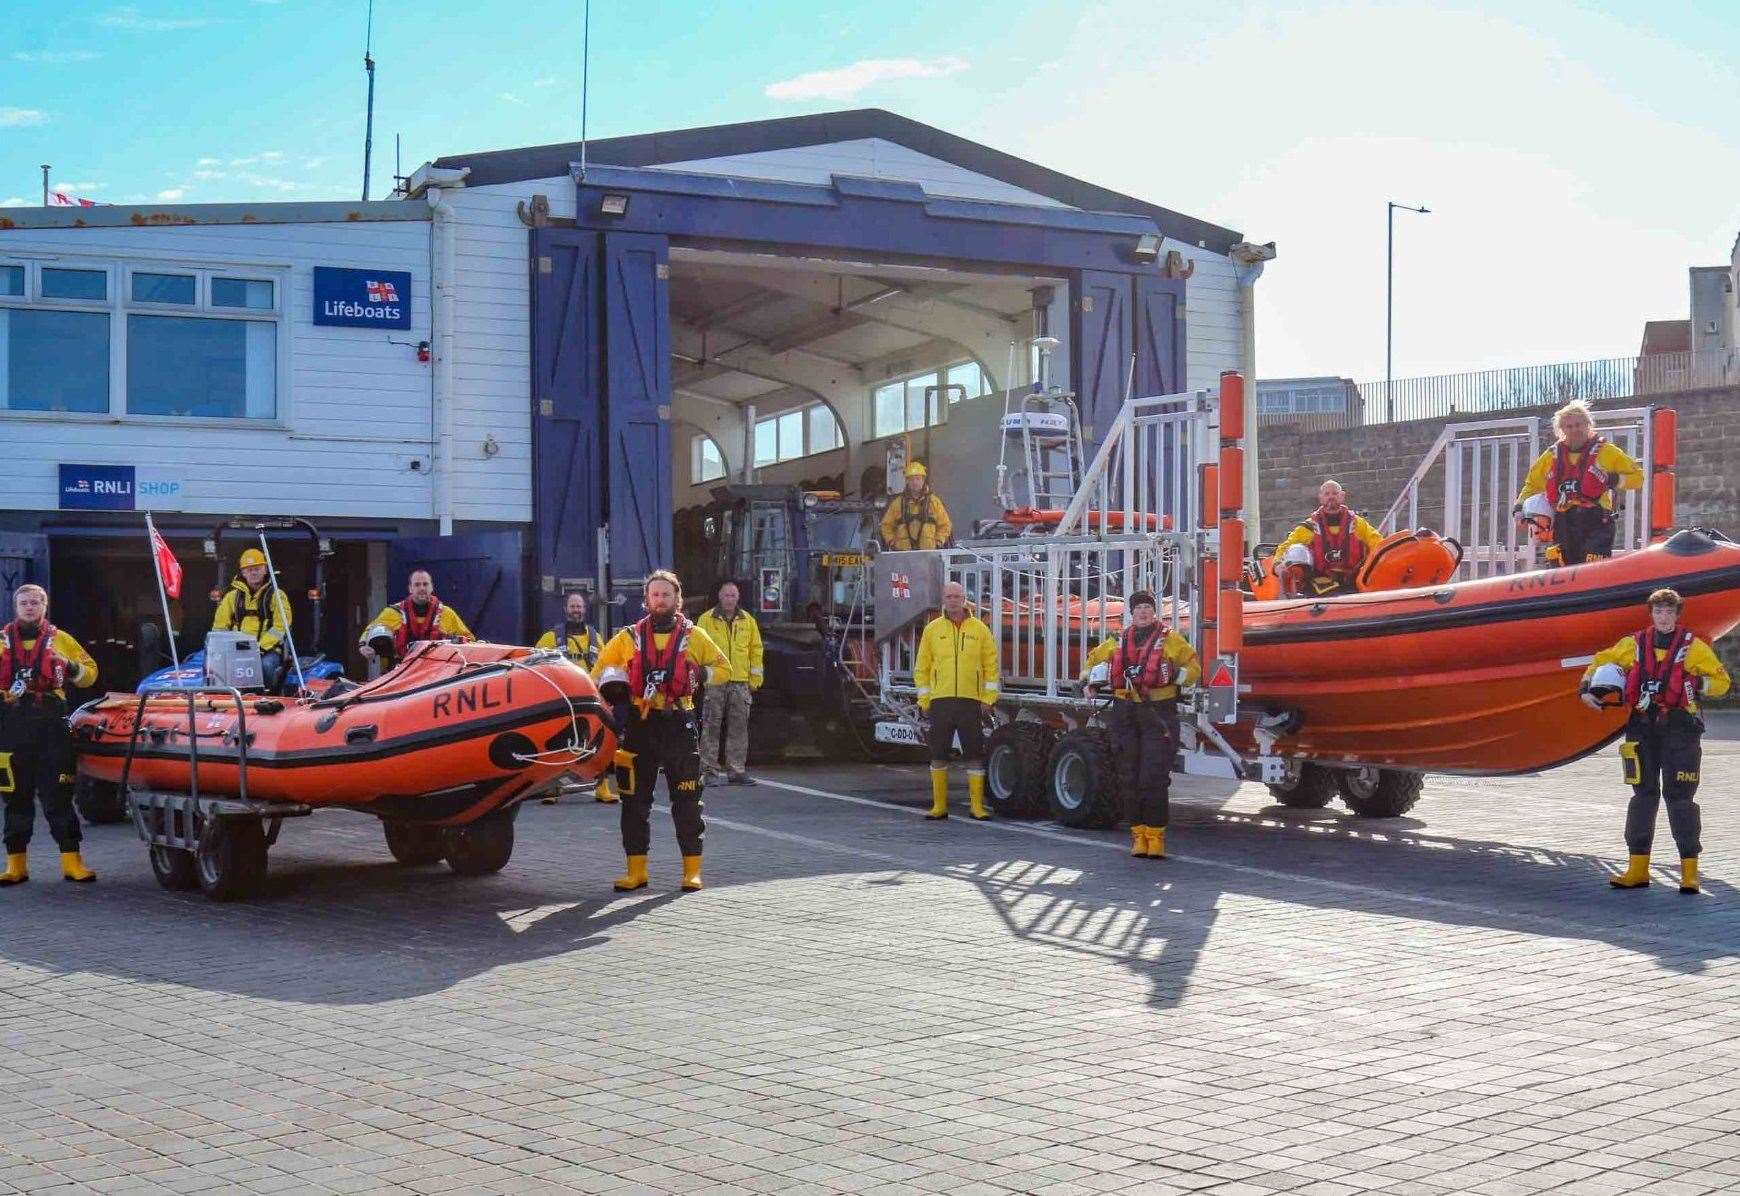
x=585, y=70
x=369, y=123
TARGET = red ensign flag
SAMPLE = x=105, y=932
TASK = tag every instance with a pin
x=168, y=568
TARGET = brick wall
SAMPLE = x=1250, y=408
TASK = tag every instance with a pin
x=1374, y=464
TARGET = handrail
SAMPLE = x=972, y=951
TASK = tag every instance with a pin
x=193, y=734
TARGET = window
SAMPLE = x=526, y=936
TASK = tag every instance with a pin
x=706, y=462
x=183, y=341
x=799, y=432
x=904, y=406
x=766, y=442
x=824, y=429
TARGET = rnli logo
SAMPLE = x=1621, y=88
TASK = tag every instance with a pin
x=900, y=585
x=470, y=699
x=1690, y=777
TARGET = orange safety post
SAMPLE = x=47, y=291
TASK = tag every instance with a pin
x=1663, y=489
x=1232, y=479
x=1232, y=620
x=1232, y=551
x=1232, y=406
x=1208, y=502
x=1664, y=437
x=1661, y=505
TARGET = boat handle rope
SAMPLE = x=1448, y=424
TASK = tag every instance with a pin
x=580, y=751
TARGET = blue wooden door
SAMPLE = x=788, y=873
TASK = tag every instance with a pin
x=1101, y=315
x=478, y=574
x=1158, y=323
x=637, y=388
x=23, y=559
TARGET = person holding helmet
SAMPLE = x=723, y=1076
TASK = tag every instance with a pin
x=1149, y=664
x=648, y=673
x=580, y=644
x=956, y=678
x=37, y=662
x=1660, y=674
x=1535, y=518
x=420, y=617
x=725, y=706
x=1323, y=554
x=917, y=518
x=254, y=605
x=1579, y=476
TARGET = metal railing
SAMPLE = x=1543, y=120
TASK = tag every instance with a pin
x=1490, y=392
x=1143, y=476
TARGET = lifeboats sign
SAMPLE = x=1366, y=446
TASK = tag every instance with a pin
x=345, y=298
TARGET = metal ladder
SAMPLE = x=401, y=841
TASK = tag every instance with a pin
x=1048, y=427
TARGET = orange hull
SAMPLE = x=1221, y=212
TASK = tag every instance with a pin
x=453, y=733
x=1476, y=677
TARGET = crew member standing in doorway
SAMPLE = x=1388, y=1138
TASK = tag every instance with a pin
x=916, y=519
x=419, y=617
x=37, y=662
x=1659, y=674
x=580, y=643
x=648, y=673
x=956, y=678
x=1149, y=664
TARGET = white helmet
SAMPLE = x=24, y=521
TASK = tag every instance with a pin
x=1608, y=685
x=1537, y=518
x=1100, y=674
x=1296, y=554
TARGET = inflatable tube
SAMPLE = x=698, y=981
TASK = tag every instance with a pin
x=1404, y=559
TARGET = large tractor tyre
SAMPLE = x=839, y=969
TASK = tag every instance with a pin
x=1082, y=785
x=99, y=803
x=1312, y=789
x=175, y=869
x=481, y=847
x=1015, y=774
x=231, y=859
x=413, y=843
x=1380, y=792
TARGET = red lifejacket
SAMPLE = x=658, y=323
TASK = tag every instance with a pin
x=1579, y=485
x=669, y=672
x=1666, y=682
x=1144, y=669
x=18, y=665
x=411, y=628
x=1335, y=553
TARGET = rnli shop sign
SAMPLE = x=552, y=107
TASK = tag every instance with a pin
x=361, y=298
x=119, y=488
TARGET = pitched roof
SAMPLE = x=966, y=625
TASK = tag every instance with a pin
x=758, y=136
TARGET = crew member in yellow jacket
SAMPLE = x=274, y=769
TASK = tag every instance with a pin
x=725, y=708
x=580, y=643
x=648, y=673
x=1661, y=674
x=37, y=662
x=254, y=605
x=956, y=678
x=420, y=617
x=1148, y=665
x=1579, y=476
x=917, y=518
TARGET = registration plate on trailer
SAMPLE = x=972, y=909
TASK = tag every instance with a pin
x=843, y=560
x=890, y=731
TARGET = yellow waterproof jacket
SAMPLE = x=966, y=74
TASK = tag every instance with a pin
x=1701, y=661
x=921, y=522
x=740, y=639
x=391, y=619
x=1363, y=531
x=243, y=609
x=1178, y=653
x=613, y=662
x=582, y=648
x=1612, y=460
x=81, y=670
x=956, y=660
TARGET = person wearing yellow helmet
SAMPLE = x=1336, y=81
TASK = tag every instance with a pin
x=917, y=518
x=254, y=605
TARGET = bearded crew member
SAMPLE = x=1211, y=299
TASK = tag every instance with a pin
x=254, y=605
x=37, y=662
x=1323, y=554
x=917, y=519
x=421, y=616
x=957, y=681
x=648, y=673
x=581, y=645
x=1579, y=476
x=1659, y=674
x=1149, y=664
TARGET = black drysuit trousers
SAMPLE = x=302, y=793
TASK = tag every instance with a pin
x=34, y=732
x=662, y=741
x=1145, y=737
x=1662, y=762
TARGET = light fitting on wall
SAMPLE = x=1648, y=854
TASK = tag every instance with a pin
x=613, y=204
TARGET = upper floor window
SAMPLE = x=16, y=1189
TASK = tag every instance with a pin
x=798, y=432
x=907, y=404
x=706, y=461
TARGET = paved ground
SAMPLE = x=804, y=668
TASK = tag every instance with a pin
x=863, y=1001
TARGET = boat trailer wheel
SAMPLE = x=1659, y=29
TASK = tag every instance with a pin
x=231, y=859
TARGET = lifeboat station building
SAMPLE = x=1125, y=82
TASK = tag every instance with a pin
x=529, y=367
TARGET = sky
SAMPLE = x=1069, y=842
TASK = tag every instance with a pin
x=1577, y=157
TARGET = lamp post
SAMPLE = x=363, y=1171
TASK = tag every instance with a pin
x=1390, y=303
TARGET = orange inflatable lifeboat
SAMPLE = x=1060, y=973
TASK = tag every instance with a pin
x=453, y=733
x=1476, y=677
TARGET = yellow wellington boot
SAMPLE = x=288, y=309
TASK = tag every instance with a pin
x=1635, y=876
x=1138, y=840
x=976, y=796
x=1156, y=842
x=72, y=867
x=16, y=872
x=1689, y=874
x=939, y=793
x=691, y=873
x=602, y=792
x=635, y=877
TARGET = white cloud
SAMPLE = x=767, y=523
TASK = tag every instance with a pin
x=268, y=183
x=172, y=194
x=208, y=162
x=262, y=156
x=79, y=188
x=55, y=57
x=511, y=98
x=547, y=81
x=18, y=118
x=207, y=176
x=846, y=82
x=18, y=201
x=315, y=163
x=131, y=18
